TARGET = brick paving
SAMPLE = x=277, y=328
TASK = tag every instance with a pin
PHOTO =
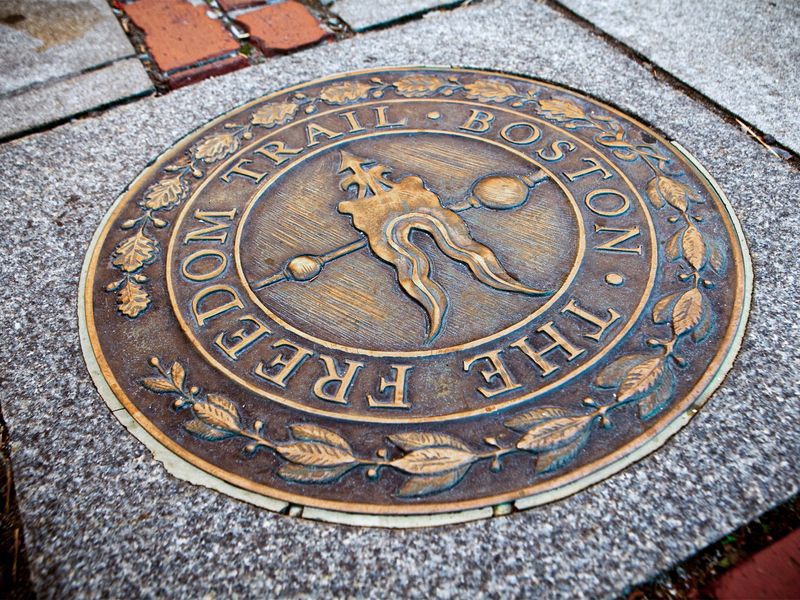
x=282, y=27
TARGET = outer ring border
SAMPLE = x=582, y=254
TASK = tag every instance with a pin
x=184, y=470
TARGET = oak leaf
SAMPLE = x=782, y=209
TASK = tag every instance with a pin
x=420, y=86
x=274, y=114
x=132, y=300
x=216, y=147
x=561, y=110
x=178, y=374
x=134, y=252
x=345, y=91
x=489, y=90
x=165, y=193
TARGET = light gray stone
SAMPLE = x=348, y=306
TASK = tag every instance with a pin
x=104, y=519
x=365, y=14
x=743, y=55
x=64, y=98
x=47, y=39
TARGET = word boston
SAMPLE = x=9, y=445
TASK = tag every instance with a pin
x=459, y=288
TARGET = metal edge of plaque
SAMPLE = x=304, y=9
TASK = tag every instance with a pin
x=184, y=470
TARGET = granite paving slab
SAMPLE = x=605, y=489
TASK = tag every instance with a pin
x=365, y=14
x=743, y=55
x=103, y=518
x=48, y=39
x=64, y=98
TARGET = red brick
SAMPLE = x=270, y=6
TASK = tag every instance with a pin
x=238, y=4
x=179, y=34
x=774, y=572
x=282, y=27
x=218, y=67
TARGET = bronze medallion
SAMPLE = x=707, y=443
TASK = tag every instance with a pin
x=414, y=291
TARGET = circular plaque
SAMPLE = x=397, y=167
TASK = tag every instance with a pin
x=413, y=291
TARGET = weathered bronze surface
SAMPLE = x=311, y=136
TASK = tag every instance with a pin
x=415, y=291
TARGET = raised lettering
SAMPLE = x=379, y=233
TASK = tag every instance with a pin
x=530, y=134
x=217, y=232
x=277, y=152
x=242, y=339
x=398, y=384
x=557, y=153
x=614, y=244
x=209, y=274
x=201, y=317
x=340, y=383
x=613, y=316
x=624, y=203
x=241, y=171
x=478, y=121
x=558, y=341
x=288, y=363
x=498, y=371
x=313, y=131
x=595, y=168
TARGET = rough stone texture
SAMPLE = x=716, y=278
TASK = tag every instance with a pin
x=104, y=519
x=743, y=55
x=64, y=98
x=179, y=34
x=282, y=27
x=365, y=14
x=46, y=39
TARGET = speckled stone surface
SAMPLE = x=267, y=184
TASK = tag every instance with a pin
x=67, y=97
x=743, y=55
x=364, y=14
x=47, y=39
x=104, y=519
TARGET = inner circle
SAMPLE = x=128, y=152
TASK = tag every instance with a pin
x=356, y=302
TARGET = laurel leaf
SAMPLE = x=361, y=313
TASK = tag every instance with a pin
x=429, y=461
x=422, y=486
x=673, y=192
x=304, y=474
x=178, y=374
x=705, y=325
x=640, y=379
x=662, y=311
x=313, y=433
x=652, y=193
x=554, y=433
x=687, y=311
x=132, y=300
x=415, y=440
x=694, y=248
x=205, y=431
x=216, y=416
x=522, y=422
x=225, y=404
x=716, y=258
x=315, y=455
x=658, y=397
x=159, y=385
x=672, y=249
x=612, y=375
x=165, y=193
x=134, y=252
x=555, y=459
